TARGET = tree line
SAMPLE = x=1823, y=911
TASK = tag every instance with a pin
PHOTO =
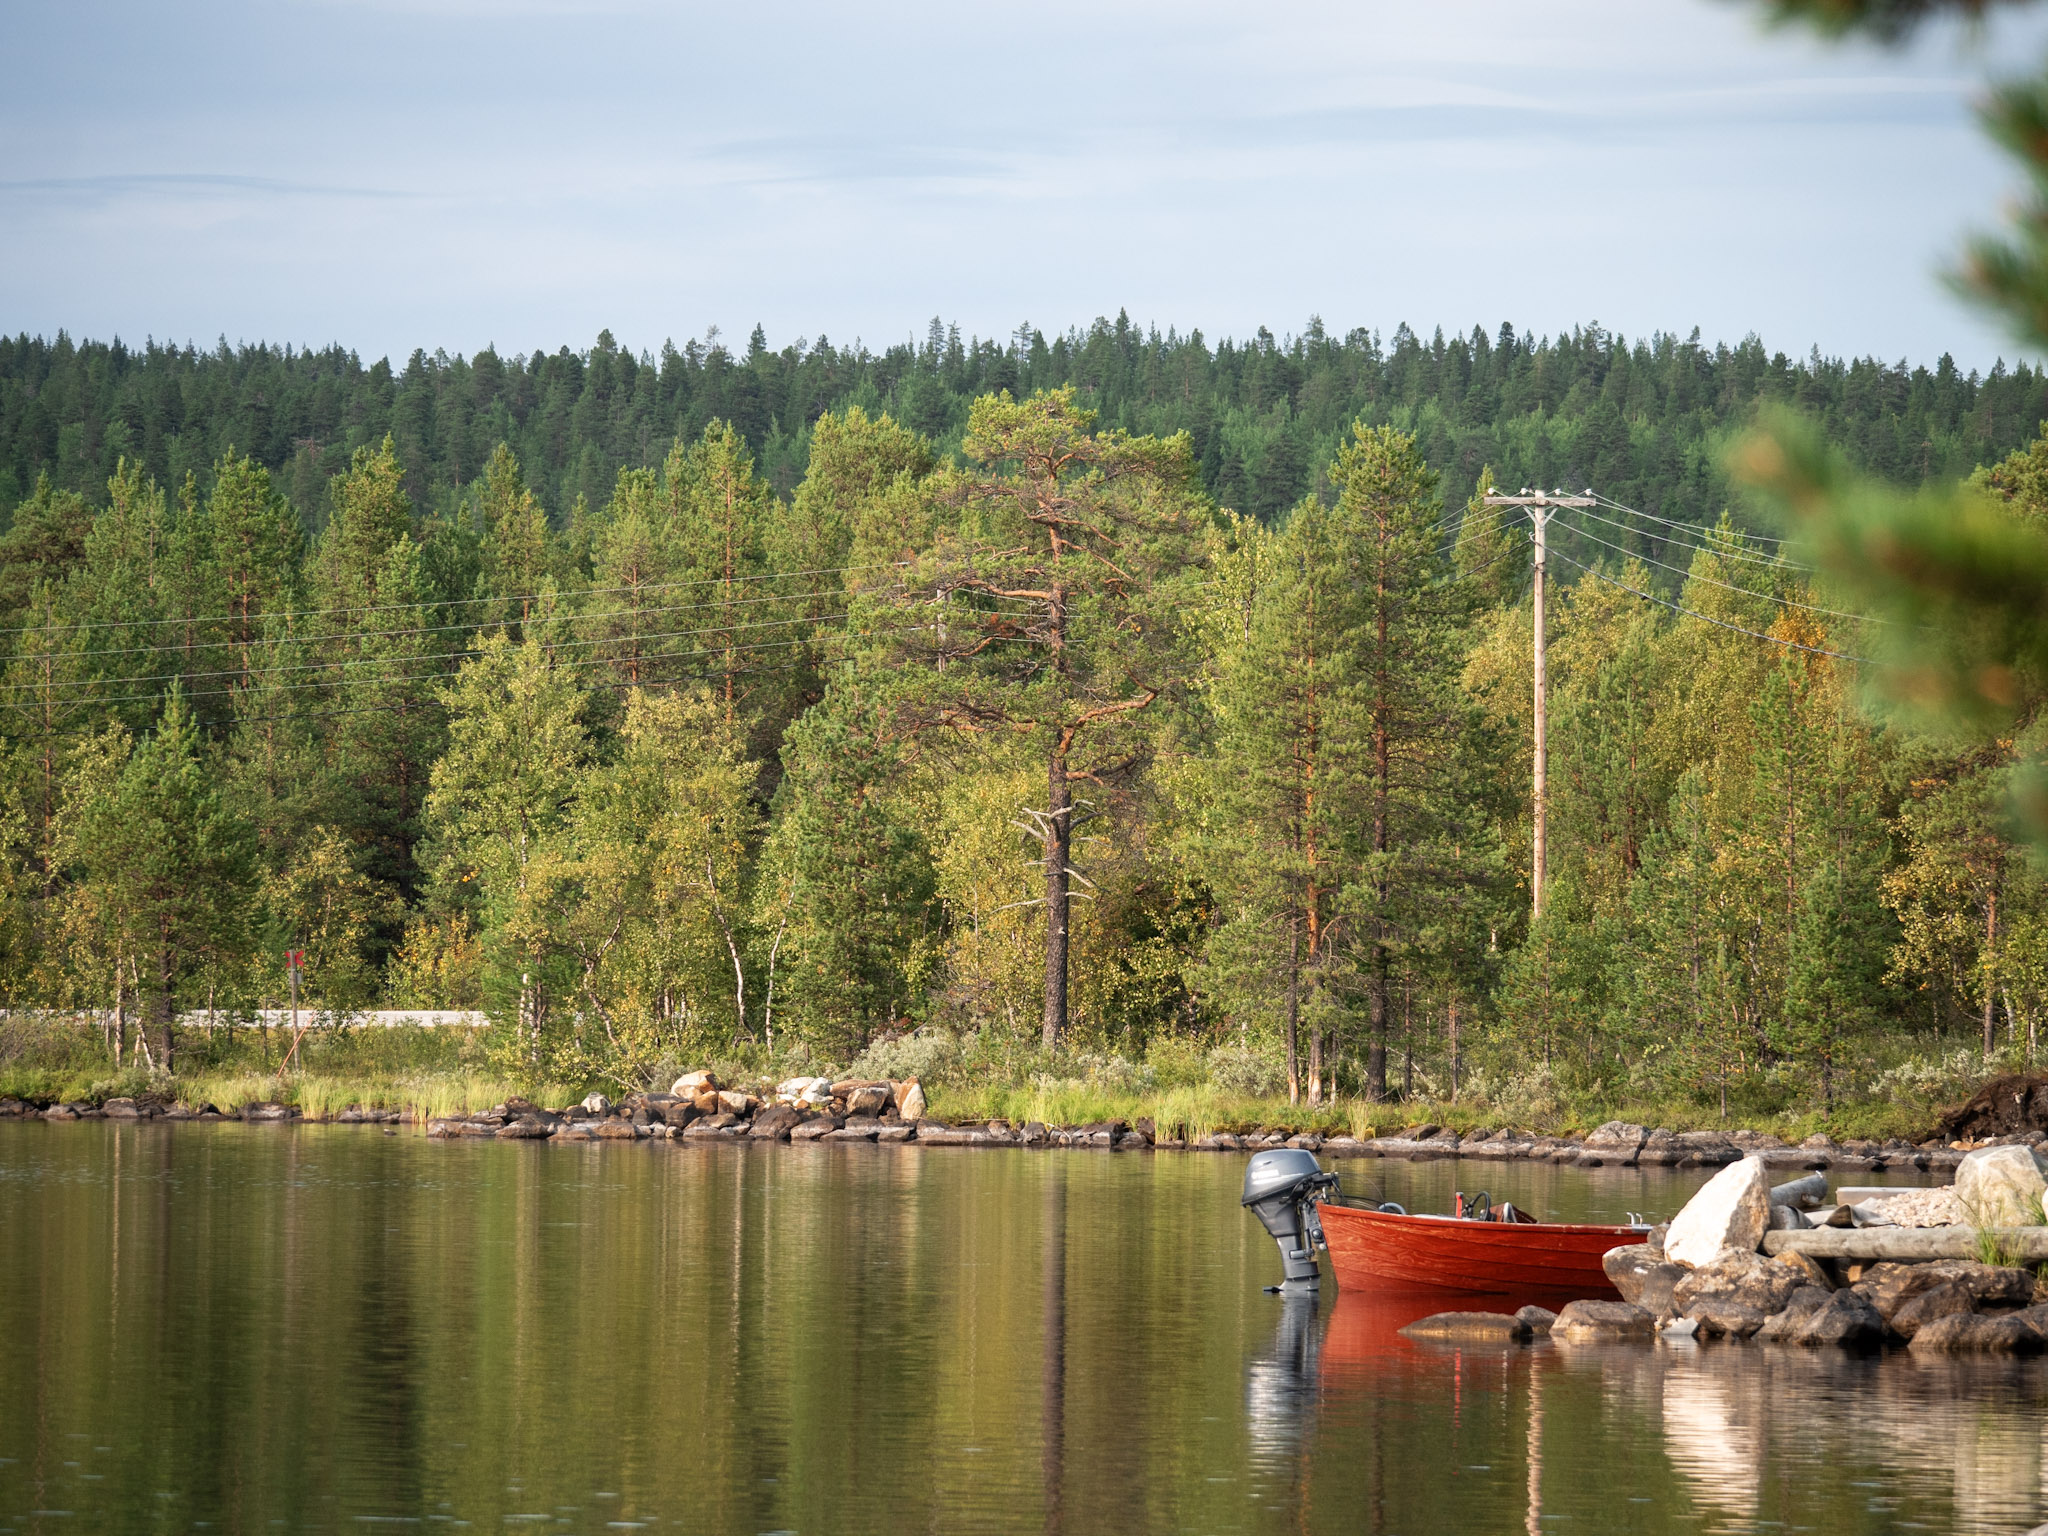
x=1644, y=420
x=1029, y=738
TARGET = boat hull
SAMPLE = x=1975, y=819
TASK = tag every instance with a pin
x=1377, y=1251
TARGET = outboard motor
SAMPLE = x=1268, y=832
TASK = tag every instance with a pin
x=1280, y=1187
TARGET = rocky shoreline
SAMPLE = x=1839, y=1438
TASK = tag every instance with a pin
x=881, y=1111
x=1715, y=1272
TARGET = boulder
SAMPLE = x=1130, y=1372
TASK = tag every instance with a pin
x=1722, y=1317
x=1643, y=1276
x=595, y=1103
x=898, y=1092
x=775, y=1122
x=677, y=1113
x=911, y=1106
x=1539, y=1320
x=1739, y=1279
x=1966, y=1333
x=1844, y=1318
x=120, y=1109
x=712, y=1126
x=1805, y=1301
x=1032, y=1135
x=1806, y=1268
x=895, y=1130
x=1469, y=1328
x=2001, y=1187
x=618, y=1130
x=1594, y=1322
x=868, y=1100
x=1616, y=1143
x=1891, y=1286
x=1917, y=1311
x=268, y=1112
x=857, y=1128
x=1731, y=1210
x=1705, y=1149
x=690, y=1084
x=527, y=1128
x=814, y=1129
x=939, y=1134
x=575, y=1130
x=734, y=1102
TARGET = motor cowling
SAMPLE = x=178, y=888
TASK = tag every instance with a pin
x=1280, y=1188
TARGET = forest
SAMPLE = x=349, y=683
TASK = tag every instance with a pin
x=1115, y=710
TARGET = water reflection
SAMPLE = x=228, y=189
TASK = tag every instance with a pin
x=1282, y=1383
x=315, y=1329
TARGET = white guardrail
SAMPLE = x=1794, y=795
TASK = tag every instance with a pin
x=321, y=1018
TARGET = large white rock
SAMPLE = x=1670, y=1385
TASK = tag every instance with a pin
x=2001, y=1187
x=912, y=1105
x=1731, y=1210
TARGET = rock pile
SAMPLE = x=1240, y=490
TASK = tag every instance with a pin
x=698, y=1107
x=1703, y=1277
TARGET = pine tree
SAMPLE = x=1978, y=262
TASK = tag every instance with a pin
x=1406, y=710
x=1054, y=617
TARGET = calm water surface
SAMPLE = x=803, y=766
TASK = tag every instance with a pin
x=229, y=1328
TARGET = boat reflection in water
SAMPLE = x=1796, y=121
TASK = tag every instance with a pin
x=1344, y=1414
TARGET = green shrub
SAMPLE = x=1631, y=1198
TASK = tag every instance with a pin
x=1243, y=1072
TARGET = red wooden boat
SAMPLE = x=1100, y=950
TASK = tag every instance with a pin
x=1382, y=1251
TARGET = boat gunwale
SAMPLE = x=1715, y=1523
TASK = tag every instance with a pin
x=1532, y=1228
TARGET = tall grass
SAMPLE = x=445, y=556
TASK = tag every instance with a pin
x=425, y=1095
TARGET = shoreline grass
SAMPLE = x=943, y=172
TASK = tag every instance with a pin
x=437, y=1072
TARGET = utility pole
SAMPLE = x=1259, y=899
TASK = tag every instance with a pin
x=1540, y=507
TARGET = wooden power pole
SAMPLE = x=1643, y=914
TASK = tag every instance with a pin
x=1540, y=507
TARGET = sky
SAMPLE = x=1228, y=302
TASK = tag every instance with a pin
x=455, y=173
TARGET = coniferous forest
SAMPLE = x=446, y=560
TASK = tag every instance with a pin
x=1113, y=707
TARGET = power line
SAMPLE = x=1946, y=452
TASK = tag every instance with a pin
x=1788, y=602
x=441, y=672
x=468, y=626
x=1718, y=551
x=461, y=602
x=359, y=661
x=1651, y=597
x=1699, y=528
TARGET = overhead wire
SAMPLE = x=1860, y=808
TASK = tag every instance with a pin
x=414, y=631
x=1693, y=613
x=461, y=602
x=1719, y=551
x=1788, y=602
x=1699, y=528
x=434, y=668
x=306, y=666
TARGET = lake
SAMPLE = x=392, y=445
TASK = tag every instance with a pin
x=249, y=1329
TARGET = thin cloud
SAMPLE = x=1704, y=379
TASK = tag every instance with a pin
x=170, y=182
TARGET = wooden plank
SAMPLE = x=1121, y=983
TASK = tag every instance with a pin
x=1905, y=1245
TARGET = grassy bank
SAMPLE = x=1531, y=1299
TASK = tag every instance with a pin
x=432, y=1072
